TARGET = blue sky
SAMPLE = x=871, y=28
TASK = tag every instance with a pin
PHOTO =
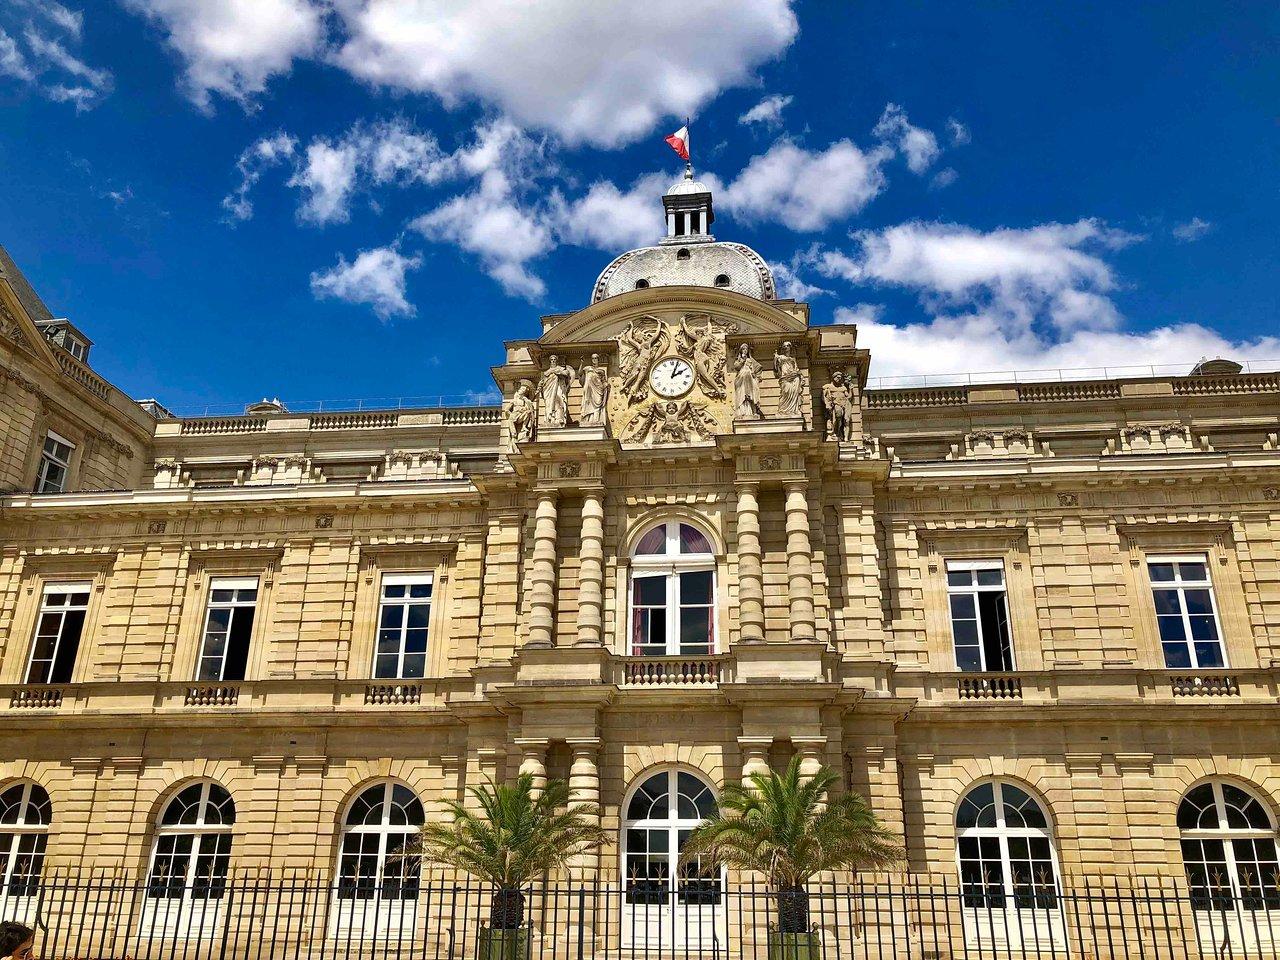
x=335, y=199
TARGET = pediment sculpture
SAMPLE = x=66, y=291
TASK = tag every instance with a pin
x=669, y=422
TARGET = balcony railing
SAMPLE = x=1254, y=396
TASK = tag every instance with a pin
x=214, y=695
x=35, y=697
x=670, y=671
x=387, y=693
x=1204, y=685
x=990, y=686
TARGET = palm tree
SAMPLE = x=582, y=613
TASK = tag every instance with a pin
x=783, y=826
x=516, y=836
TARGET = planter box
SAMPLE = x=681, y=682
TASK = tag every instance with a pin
x=502, y=944
x=794, y=946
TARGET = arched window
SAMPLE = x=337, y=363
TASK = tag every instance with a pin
x=378, y=824
x=673, y=592
x=641, y=283
x=25, y=814
x=193, y=844
x=1005, y=849
x=1228, y=848
x=660, y=815
x=722, y=280
x=682, y=253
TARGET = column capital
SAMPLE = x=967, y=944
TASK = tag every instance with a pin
x=528, y=744
x=583, y=743
x=755, y=743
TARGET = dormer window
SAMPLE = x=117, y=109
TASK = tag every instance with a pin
x=55, y=463
x=641, y=283
x=722, y=280
x=682, y=254
x=75, y=347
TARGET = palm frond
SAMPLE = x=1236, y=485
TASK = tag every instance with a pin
x=784, y=826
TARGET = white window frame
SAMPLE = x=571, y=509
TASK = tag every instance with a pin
x=70, y=588
x=670, y=565
x=405, y=580
x=48, y=459
x=11, y=837
x=235, y=606
x=1181, y=586
x=76, y=347
x=1226, y=834
x=973, y=590
x=384, y=830
x=188, y=916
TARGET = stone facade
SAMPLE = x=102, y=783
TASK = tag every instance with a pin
x=831, y=628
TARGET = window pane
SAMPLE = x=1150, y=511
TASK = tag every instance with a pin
x=692, y=540
x=653, y=543
x=995, y=631
x=1166, y=602
x=990, y=578
x=1172, y=628
x=1209, y=654
x=1161, y=572
x=1192, y=571
x=959, y=578
x=1198, y=601
x=962, y=606
x=650, y=591
x=419, y=614
x=695, y=587
x=968, y=659
x=1177, y=655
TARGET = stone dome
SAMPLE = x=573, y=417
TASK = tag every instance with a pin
x=730, y=266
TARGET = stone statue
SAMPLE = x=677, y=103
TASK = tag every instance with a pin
x=637, y=349
x=594, y=377
x=522, y=411
x=837, y=401
x=704, y=346
x=746, y=385
x=670, y=422
x=554, y=389
x=790, y=383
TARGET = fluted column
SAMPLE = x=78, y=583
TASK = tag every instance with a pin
x=750, y=572
x=533, y=761
x=542, y=590
x=591, y=572
x=584, y=790
x=799, y=561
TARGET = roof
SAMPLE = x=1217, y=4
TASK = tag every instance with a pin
x=26, y=293
x=698, y=265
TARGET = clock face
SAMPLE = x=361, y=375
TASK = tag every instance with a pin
x=672, y=377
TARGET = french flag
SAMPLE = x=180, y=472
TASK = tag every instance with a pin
x=679, y=142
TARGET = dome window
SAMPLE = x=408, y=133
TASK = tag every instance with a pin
x=722, y=280
x=641, y=283
x=682, y=254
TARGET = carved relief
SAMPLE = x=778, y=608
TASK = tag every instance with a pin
x=594, y=377
x=639, y=344
x=837, y=402
x=746, y=385
x=667, y=422
x=704, y=347
x=553, y=389
x=790, y=382
x=521, y=413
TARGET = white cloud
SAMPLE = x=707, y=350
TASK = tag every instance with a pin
x=982, y=344
x=48, y=66
x=327, y=175
x=1192, y=230
x=918, y=145
x=768, y=111
x=943, y=179
x=607, y=218
x=12, y=62
x=376, y=277
x=592, y=71
x=257, y=157
x=234, y=47
x=1008, y=299
x=791, y=286
x=490, y=223
x=806, y=190
x=960, y=134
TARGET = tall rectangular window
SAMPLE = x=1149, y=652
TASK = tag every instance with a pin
x=55, y=462
x=979, y=615
x=228, y=625
x=1186, y=611
x=63, y=607
x=404, y=618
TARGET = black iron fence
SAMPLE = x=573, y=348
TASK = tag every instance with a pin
x=254, y=917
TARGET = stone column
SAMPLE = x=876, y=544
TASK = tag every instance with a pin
x=533, y=761
x=591, y=572
x=750, y=572
x=542, y=588
x=755, y=755
x=584, y=790
x=799, y=561
x=810, y=751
